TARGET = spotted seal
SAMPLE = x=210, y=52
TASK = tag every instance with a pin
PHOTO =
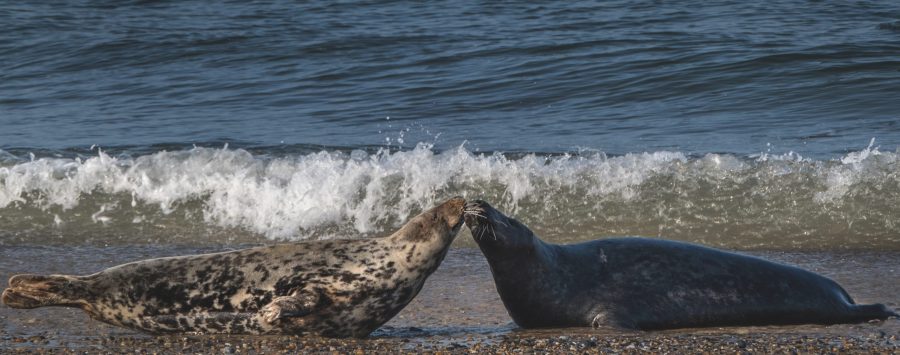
x=647, y=284
x=335, y=288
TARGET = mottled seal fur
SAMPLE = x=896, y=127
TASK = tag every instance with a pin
x=645, y=284
x=334, y=288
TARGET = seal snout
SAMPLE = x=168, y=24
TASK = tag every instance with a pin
x=480, y=218
x=475, y=213
x=453, y=211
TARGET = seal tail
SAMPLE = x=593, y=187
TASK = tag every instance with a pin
x=32, y=291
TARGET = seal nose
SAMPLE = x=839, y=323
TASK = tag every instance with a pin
x=474, y=211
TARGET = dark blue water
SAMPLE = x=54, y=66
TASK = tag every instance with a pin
x=817, y=77
x=730, y=123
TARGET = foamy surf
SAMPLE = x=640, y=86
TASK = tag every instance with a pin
x=214, y=195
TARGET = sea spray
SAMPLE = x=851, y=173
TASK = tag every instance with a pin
x=214, y=195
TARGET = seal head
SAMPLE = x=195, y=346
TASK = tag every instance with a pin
x=496, y=232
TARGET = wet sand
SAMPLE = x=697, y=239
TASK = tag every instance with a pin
x=458, y=310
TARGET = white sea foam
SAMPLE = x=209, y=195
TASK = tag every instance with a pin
x=280, y=196
x=293, y=196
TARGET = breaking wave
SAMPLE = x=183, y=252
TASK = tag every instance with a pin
x=220, y=195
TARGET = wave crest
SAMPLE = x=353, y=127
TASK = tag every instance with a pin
x=763, y=201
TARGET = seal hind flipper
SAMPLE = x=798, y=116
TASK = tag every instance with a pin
x=298, y=304
x=867, y=312
x=32, y=291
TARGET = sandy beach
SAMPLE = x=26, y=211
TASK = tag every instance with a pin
x=458, y=311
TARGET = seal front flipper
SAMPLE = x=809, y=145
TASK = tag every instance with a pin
x=298, y=304
x=611, y=321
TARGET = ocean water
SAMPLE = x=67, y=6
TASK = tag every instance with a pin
x=770, y=125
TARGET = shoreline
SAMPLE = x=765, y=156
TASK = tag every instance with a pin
x=457, y=311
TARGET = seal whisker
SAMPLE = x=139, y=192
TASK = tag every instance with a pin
x=476, y=214
x=493, y=232
x=481, y=233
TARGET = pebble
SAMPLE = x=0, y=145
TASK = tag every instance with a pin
x=871, y=341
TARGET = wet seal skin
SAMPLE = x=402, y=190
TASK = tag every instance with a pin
x=334, y=288
x=649, y=284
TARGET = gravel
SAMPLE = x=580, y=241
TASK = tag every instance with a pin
x=874, y=342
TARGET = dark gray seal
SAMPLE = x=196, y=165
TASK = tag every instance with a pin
x=647, y=284
x=334, y=288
